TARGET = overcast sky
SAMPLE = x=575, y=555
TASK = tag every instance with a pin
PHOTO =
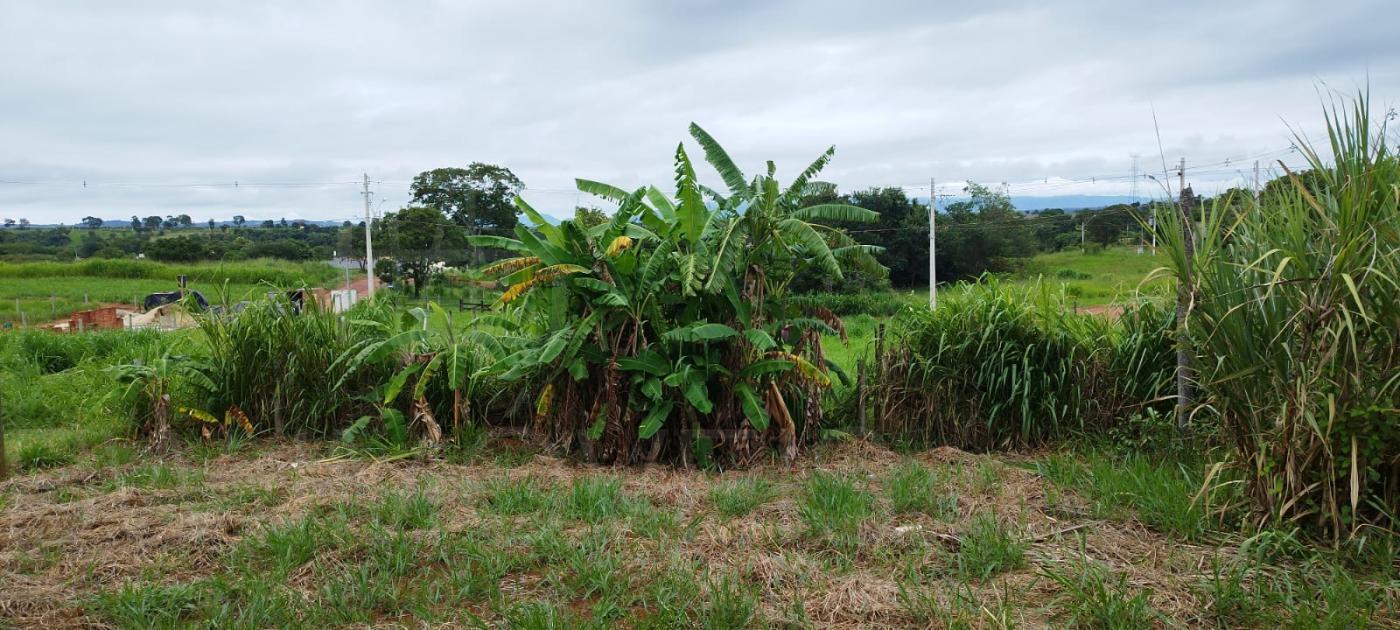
x=143, y=99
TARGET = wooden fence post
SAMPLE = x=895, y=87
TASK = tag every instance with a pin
x=860, y=398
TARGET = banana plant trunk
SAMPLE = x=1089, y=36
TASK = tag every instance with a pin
x=787, y=431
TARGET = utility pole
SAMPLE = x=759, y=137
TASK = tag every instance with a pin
x=369, y=241
x=932, y=242
x=1256, y=180
x=1135, y=193
x=1183, y=300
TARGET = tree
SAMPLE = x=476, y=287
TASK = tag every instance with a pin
x=416, y=236
x=269, y=223
x=980, y=234
x=153, y=223
x=1055, y=229
x=238, y=220
x=211, y=225
x=90, y=244
x=283, y=248
x=92, y=223
x=1106, y=225
x=9, y=222
x=135, y=223
x=902, y=229
x=479, y=197
x=176, y=249
x=589, y=216
x=23, y=223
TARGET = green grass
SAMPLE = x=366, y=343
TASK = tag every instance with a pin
x=593, y=499
x=1164, y=494
x=1314, y=593
x=40, y=455
x=157, y=476
x=1108, y=276
x=58, y=398
x=150, y=605
x=1092, y=597
x=913, y=488
x=285, y=546
x=589, y=555
x=509, y=497
x=833, y=507
x=400, y=511
x=738, y=497
x=731, y=604
x=592, y=570
x=989, y=547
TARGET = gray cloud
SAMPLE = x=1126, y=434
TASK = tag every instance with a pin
x=135, y=97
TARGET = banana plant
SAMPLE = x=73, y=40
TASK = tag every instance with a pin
x=425, y=347
x=665, y=336
x=148, y=388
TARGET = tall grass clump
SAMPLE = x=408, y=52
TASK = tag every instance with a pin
x=1295, y=323
x=282, y=369
x=999, y=366
x=372, y=376
x=874, y=303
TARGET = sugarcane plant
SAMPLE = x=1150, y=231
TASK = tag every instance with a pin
x=1294, y=326
x=667, y=333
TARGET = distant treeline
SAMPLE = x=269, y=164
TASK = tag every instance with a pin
x=295, y=241
x=984, y=232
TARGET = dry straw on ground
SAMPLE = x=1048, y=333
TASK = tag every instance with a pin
x=65, y=535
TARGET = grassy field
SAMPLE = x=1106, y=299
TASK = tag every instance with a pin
x=47, y=291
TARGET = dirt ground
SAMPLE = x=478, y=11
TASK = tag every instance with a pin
x=68, y=534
